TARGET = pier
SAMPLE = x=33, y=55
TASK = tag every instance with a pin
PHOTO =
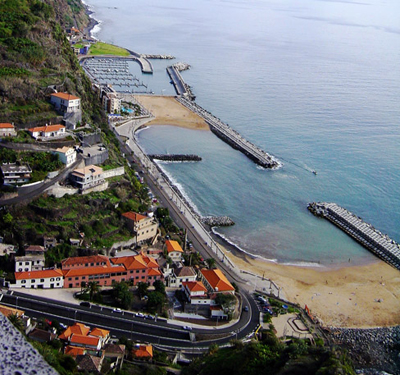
x=181, y=88
x=232, y=137
x=175, y=157
x=378, y=243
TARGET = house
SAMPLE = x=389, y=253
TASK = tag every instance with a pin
x=29, y=263
x=77, y=329
x=194, y=290
x=66, y=154
x=143, y=227
x=180, y=275
x=143, y=352
x=215, y=281
x=139, y=268
x=41, y=335
x=6, y=249
x=49, y=242
x=114, y=355
x=35, y=250
x=39, y=279
x=104, y=271
x=14, y=174
x=70, y=106
x=74, y=351
x=89, y=364
x=87, y=177
x=174, y=250
x=7, y=130
x=47, y=131
x=102, y=334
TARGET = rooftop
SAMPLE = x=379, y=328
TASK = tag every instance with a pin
x=14, y=168
x=173, y=246
x=65, y=96
x=134, y=216
x=6, y=125
x=217, y=280
x=89, y=170
x=38, y=274
x=47, y=128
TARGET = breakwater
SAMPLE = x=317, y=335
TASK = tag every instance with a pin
x=175, y=157
x=217, y=221
x=378, y=243
x=181, y=88
x=232, y=137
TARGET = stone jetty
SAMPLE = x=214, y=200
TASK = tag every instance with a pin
x=378, y=243
x=217, y=221
x=181, y=88
x=232, y=137
x=159, y=57
x=175, y=157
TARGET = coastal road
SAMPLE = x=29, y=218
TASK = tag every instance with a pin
x=126, y=324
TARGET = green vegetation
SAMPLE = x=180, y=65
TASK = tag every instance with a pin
x=122, y=294
x=269, y=357
x=101, y=48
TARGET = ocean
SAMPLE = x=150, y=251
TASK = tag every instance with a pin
x=315, y=83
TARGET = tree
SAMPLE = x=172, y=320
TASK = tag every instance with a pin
x=210, y=263
x=92, y=288
x=142, y=288
x=159, y=286
x=16, y=321
x=122, y=294
x=155, y=302
x=227, y=302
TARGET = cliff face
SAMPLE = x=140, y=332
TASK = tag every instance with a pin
x=35, y=56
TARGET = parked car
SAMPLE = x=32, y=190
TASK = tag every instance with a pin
x=246, y=308
x=139, y=315
x=148, y=316
x=187, y=328
x=117, y=310
x=85, y=304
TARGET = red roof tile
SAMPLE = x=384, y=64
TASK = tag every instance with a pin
x=173, y=246
x=38, y=274
x=83, y=260
x=134, y=216
x=65, y=96
x=85, y=340
x=6, y=125
x=217, y=280
x=143, y=351
x=195, y=286
x=46, y=128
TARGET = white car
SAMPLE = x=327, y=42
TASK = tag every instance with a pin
x=139, y=315
x=116, y=310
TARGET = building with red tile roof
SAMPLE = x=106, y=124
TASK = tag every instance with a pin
x=143, y=227
x=88, y=342
x=39, y=279
x=87, y=177
x=215, y=281
x=174, y=250
x=143, y=351
x=47, y=131
x=74, y=351
x=7, y=130
x=77, y=329
x=84, y=262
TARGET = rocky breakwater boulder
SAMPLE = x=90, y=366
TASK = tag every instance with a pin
x=217, y=221
x=371, y=350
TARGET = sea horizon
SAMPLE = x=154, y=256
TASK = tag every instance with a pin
x=269, y=207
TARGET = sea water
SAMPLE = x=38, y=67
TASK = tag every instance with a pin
x=315, y=83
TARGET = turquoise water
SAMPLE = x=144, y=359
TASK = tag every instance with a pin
x=314, y=83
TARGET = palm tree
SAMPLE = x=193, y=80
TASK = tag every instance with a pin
x=16, y=320
x=210, y=263
x=93, y=288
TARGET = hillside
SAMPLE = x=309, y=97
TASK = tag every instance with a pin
x=36, y=58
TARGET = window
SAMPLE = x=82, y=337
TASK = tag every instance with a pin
x=42, y=280
x=23, y=281
x=26, y=263
x=58, y=279
x=33, y=280
x=19, y=269
x=77, y=278
x=69, y=278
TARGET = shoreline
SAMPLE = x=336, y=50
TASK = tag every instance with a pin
x=348, y=296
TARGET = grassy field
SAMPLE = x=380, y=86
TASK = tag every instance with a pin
x=101, y=48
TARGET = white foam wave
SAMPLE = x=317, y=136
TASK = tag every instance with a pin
x=96, y=29
x=178, y=186
x=241, y=249
x=304, y=264
x=141, y=129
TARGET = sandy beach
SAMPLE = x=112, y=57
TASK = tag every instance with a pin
x=167, y=111
x=351, y=296
x=357, y=297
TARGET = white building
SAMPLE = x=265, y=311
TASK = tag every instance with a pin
x=47, y=131
x=180, y=275
x=6, y=249
x=46, y=279
x=66, y=102
x=174, y=250
x=66, y=154
x=7, y=130
x=143, y=227
x=87, y=177
x=14, y=174
x=196, y=293
x=29, y=263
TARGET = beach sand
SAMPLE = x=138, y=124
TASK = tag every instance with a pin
x=167, y=111
x=344, y=297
